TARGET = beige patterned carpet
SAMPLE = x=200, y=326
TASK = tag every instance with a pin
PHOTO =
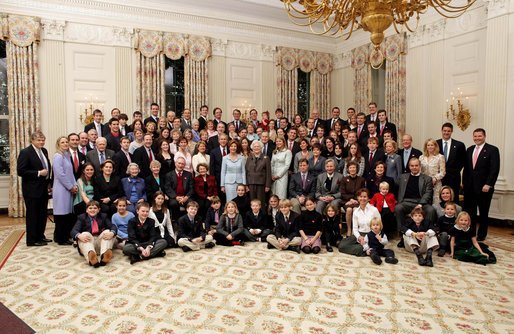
x=254, y=290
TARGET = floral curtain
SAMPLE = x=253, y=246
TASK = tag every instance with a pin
x=21, y=34
x=362, y=78
x=396, y=82
x=195, y=73
x=149, y=70
x=288, y=60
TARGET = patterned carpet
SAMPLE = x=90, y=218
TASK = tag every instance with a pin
x=254, y=290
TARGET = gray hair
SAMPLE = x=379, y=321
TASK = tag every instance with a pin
x=256, y=142
x=131, y=165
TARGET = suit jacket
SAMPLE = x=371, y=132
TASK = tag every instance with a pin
x=32, y=185
x=296, y=148
x=184, y=125
x=113, y=142
x=142, y=235
x=170, y=184
x=215, y=121
x=364, y=134
x=388, y=126
x=368, y=118
x=486, y=169
x=82, y=160
x=287, y=229
x=212, y=189
x=296, y=189
x=369, y=166
x=213, y=143
x=104, y=189
x=225, y=227
x=426, y=190
x=250, y=221
x=350, y=185
x=93, y=157
x=143, y=161
x=215, y=164
x=151, y=186
x=121, y=163
x=84, y=221
x=456, y=158
x=203, y=123
x=270, y=148
x=328, y=124
x=334, y=190
x=126, y=187
x=189, y=230
x=413, y=153
x=150, y=119
x=92, y=126
x=242, y=125
x=258, y=170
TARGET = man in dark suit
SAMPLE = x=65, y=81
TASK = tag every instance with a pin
x=178, y=186
x=202, y=119
x=414, y=190
x=214, y=142
x=481, y=171
x=97, y=124
x=217, y=153
x=454, y=153
x=267, y=145
x=407, y=152
x=77, y=158
x=328, y=187
x=144, y=155
x=372, y=154
x=238, y=123
x=301, y=186
x=372, y=116
x=317, y=121
x=185, y=121
x=217, y=113
x=372, y=133
x=329, y=123
x=383, y=124
x=114, y=135
x=35, y=170
x=84, y=143
x=122, y=158
x=154, y=117
x=293, y=146
x=100, y=154
x=362, y=129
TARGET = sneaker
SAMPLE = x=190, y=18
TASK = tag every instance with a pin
x=210, y=245
x=391, y=260
x=186, y=249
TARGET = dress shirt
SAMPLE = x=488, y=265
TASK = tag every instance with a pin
x=362, y=218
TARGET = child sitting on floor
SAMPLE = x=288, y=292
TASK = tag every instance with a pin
x=464, y=245
x=374, y=243
x=444, y=224
x=331, y=226
x=230, y=229
x=255, y=223
x=213, y=215
x=121, y=219
x=311, y=224
x=419, y=237
x=385, y=202
x=191, y=232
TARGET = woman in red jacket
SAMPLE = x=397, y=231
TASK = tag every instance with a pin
x=205, y=188
x=385, y=202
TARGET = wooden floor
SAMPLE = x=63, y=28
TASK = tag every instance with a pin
x=7, y=221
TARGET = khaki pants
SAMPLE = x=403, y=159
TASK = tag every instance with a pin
x=272, y=239
x=426, y=243
x=96, y=244
x=185, y=242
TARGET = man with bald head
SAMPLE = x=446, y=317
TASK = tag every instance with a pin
x=407, y=152
x=99, y=154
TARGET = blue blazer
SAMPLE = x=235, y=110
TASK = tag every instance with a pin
x=126, y=185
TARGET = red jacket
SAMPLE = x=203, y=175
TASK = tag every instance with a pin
x=378, y=201
x=211, y=183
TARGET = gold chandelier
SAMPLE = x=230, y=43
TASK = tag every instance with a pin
x=342, y=17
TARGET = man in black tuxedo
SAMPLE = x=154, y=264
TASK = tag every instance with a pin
x=383, y=124
x=154, y=117
x=407, y=152
x=481, y=171
x=122, y=158
x=77, y=158
x=97, y=124
x=178, y=186
x=372, y=116
x=100, y=154
x=35, y=170
x=144, y=155
x=301, y=186
x=268, y=145
x=317, y=121
x=202, y=119
x=454, y=153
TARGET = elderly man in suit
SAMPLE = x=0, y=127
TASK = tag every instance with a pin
x=34, y=168
x=178, y=186
x=267, y=144
x=99, y=154
x=454, y=153
x=415, y=190
x=185, y=121
x=407, y=152
x=301, y=186
x=258, y=173
x=481, y=169
x=328, y=187
x=144, y=155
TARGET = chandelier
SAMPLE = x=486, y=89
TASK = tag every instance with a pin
x=342, y=17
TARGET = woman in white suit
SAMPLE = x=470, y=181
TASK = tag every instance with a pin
x=233, y=171
x=280, y=162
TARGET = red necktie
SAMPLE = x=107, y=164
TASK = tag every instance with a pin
x=381, y=130
x=75, y=161
x=224, y=152
x=359, y=132
x=475, y=156
x=150, y=156
x=291, y=146
x=370, y=157
x=94, y=226
x=84, y=150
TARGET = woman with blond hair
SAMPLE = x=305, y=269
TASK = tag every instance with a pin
x=280, y=162
x=433, y=164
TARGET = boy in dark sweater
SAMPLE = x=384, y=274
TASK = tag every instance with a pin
x=444, y=225
x=374, y=243
x=255, y=223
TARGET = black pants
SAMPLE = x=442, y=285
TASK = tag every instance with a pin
x=63, y=226
x=384, y=252
x=35, y=220
x=482, y=201
x=131, y=249
x=223, y=241
x=253, y=237
x=389, y=222
x=175, y=209
x=331, y=234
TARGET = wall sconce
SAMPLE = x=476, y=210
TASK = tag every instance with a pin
x=461, y=114
x=86, y=116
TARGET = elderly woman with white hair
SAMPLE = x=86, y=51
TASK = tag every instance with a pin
x=133, y=187
x=258, y=172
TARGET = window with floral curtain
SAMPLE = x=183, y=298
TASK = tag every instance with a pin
x=304, y=84
x=174, y=85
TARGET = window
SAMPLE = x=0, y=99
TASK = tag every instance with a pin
x=304, y=89
x=378, y=85
x=4, y=113
x=174, y=85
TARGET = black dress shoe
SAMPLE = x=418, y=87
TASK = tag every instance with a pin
x=47, y=240
x=39, y=243
x=65, y=243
